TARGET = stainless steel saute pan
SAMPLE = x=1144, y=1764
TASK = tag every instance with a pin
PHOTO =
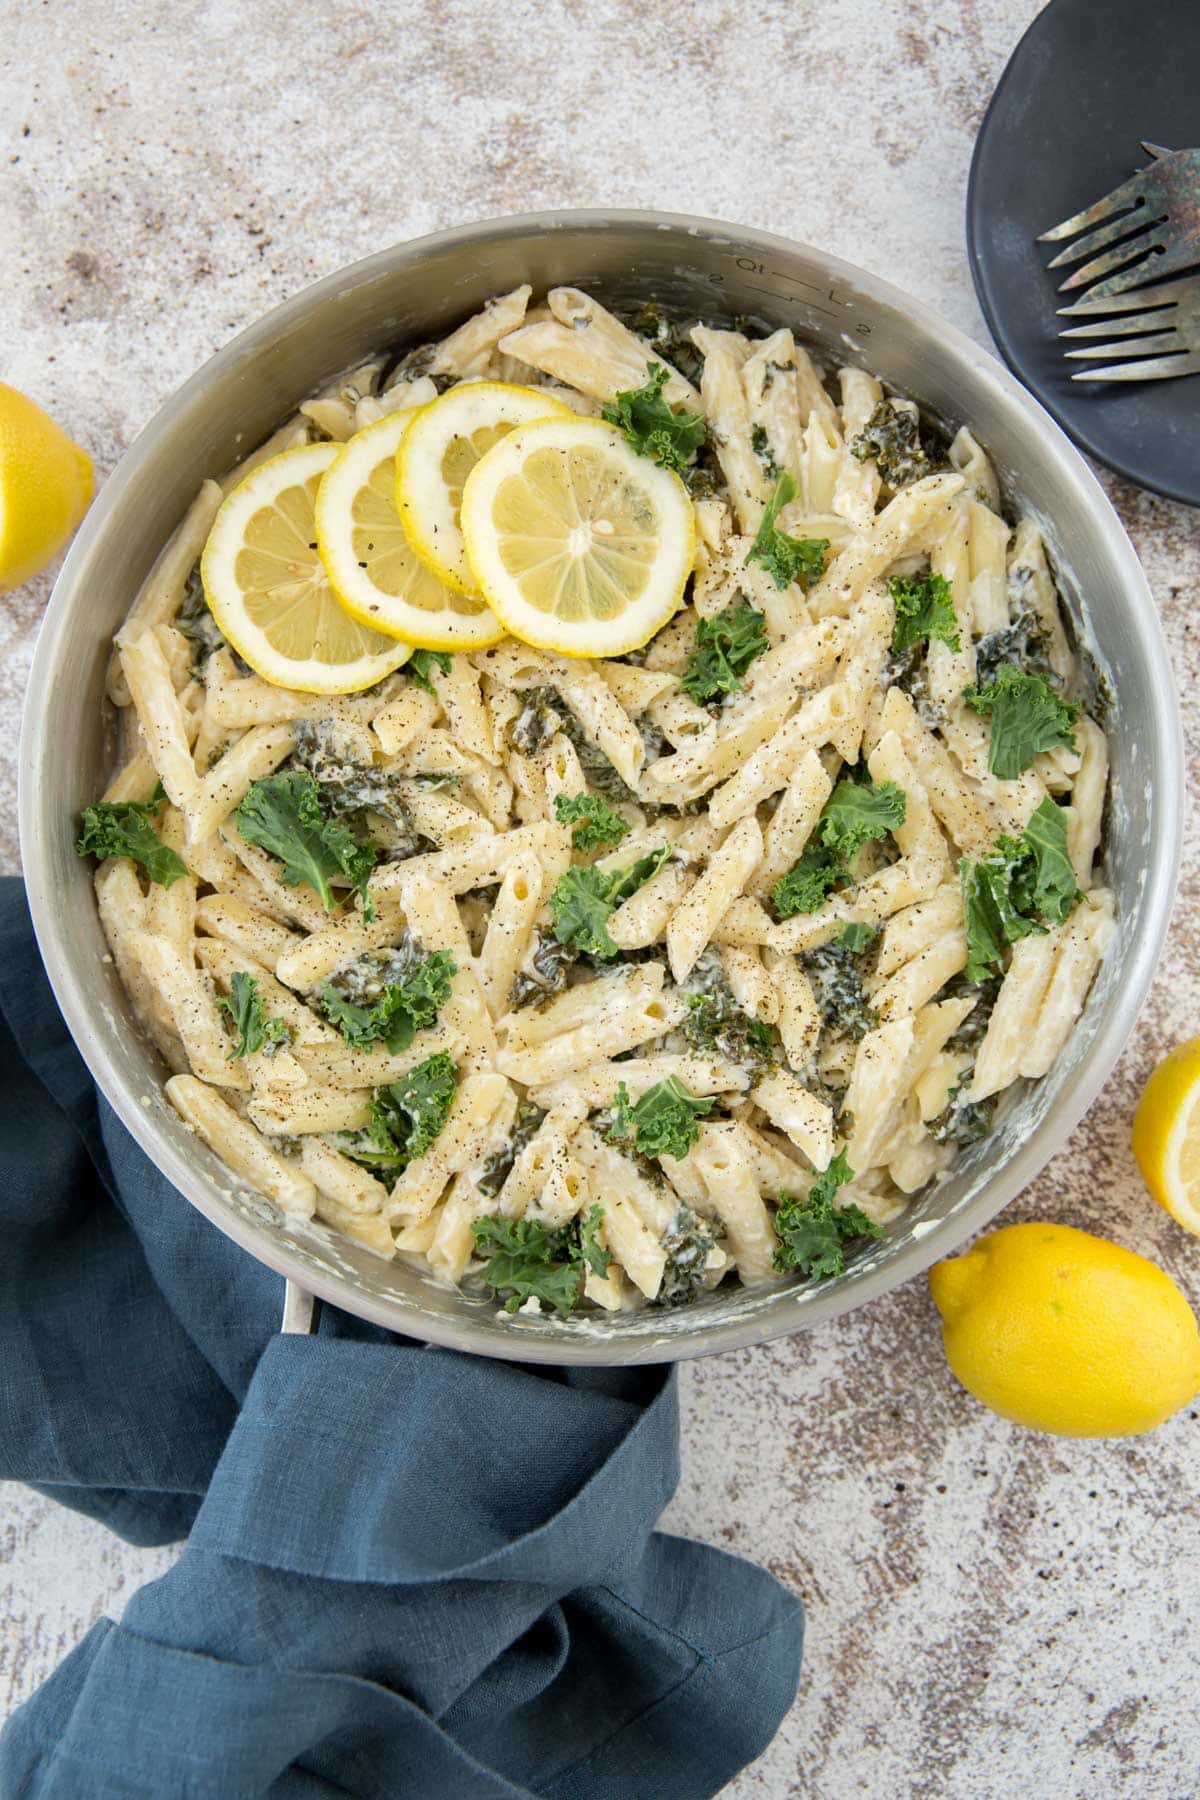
x=418, y=290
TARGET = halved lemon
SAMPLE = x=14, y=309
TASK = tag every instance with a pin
x=578, y=544
x=1166, y=1134
x=437, y=453
x=372, y=567
x=267, y=587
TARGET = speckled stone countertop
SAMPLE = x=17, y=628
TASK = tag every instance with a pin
x=989, y=1612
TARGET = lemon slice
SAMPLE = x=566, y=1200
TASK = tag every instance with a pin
x=371, y=565
x=578, y=544
x=1166, y=1135
x=268, y=591
x=437, y=453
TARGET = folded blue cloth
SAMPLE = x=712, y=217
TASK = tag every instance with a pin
x=407, y=1572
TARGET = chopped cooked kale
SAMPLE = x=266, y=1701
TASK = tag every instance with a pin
x=963, y=1121
x=498, y=1166
x=283, y=815
x=815, y=873
x=408, y=1114
x=973, y=1029
x=542, y=714
x=891, y=438
x=1021, y=886
x=255, y=1031
x=856, y=938
x=401, y=1010
x=855, y=813
x=835, y=975
x=669, y=338
x=364, y=980
x=195, y=621
x=347, y=784
x=596, y=825
x=908, y=670
x=420, y=665
x=688, y=1242
x=785, y=558
x=924, y=611
x=584, y=899
x=717, y=1026
x=544, y=971
x=1023, y=644
x=760, y=443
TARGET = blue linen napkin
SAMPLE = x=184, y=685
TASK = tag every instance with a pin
x=407, y=1573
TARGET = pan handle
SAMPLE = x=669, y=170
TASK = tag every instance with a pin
x=301, y=1310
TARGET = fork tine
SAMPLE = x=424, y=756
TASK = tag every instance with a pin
x=1108, y=264
x=1129, y=326
x=1165, y=293
x=1154, y=368
x=1096, y=240
x=1120, y=198
x=1163, y=343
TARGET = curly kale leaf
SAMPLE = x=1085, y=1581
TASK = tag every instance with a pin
x=282, y=814
x=524, y=1259
x=584, y=899
x=654, y=428
x=1028, y=716
x=924, y=610
x=662, y=1122
x=596, y=825
x=401, y=1010
x=855, y=813
x=725, y=647
x=1021, y=886
x=786, y=559
x=123, y=828
x=408, y=1114
x=254, y=1030
x=813, y=1232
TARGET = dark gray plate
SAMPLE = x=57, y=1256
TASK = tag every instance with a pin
x=1088, y=81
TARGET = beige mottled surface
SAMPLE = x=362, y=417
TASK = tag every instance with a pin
x=990, y=1613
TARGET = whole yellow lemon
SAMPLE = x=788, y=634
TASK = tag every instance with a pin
x=1166, y=1134
x=1066, y=1332
x=45, y=486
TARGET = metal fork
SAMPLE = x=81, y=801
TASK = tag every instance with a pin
x=1163, y=199
x=1170, y=316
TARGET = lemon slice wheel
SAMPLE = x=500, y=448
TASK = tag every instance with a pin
x=372, y=567
x=268, y=591
x=577, y=543
x=1166, y=1135
x=438, y=451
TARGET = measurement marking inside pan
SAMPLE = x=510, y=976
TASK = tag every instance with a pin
x=795, y=299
